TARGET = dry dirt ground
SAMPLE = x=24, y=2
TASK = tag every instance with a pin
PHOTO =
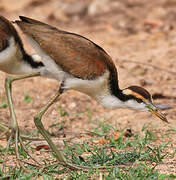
x=129, y=30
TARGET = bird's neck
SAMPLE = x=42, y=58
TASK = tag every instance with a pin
x=110, y=101
x=110, y=95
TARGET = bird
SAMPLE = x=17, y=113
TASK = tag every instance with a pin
x=78, y=63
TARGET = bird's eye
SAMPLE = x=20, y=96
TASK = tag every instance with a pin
x=139, y=100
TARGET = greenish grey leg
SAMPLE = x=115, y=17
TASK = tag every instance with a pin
x=37, y=119
x=8, y=87
x=39, y=125
x=13, y=130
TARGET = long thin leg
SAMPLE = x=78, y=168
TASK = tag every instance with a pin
x=8, y=85
x=37, y=119
x=14, y=124
x=39, y=125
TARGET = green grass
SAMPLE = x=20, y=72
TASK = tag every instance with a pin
x=3, y=104
x=27, y=98
x=123, y=158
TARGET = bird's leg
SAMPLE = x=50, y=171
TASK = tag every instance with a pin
x=39, y=125
x=13, y=130
x=37, y=119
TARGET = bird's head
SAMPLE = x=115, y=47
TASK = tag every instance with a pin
x=138, y=98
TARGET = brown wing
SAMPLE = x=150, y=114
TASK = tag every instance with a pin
x=75, y=54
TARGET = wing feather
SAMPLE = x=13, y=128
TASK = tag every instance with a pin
x=76, y=54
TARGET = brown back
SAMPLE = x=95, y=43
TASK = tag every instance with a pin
x=74, y=53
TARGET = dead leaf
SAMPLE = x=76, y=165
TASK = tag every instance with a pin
x=101, y=141
x=44, y=146
x=116, y=135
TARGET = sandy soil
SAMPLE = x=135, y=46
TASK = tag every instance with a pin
x=142, y=31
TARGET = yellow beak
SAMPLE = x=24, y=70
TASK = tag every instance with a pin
x=156, y=112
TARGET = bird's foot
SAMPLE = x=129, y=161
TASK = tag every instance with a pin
x=14, y=136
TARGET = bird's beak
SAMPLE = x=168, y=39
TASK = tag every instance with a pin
x=156, y=112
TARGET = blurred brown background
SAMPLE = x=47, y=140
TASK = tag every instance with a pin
x=129, y=30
